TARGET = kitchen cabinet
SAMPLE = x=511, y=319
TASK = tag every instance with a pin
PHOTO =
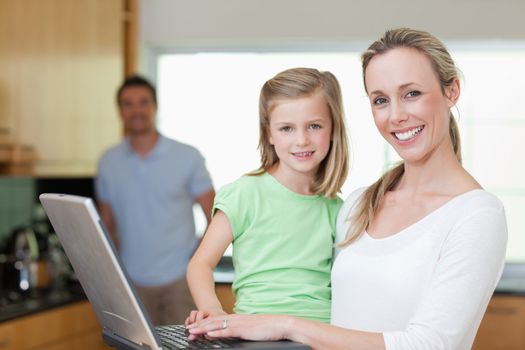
x=60, y=66
x=225, y=296
x=503, y=326
x=73, y=326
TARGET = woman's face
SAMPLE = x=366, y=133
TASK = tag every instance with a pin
x=409, y=108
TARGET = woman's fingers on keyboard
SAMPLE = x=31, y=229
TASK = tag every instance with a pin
x=198, y=315
x=192, y=318
x=201, y=315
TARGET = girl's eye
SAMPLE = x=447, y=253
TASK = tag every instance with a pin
x=315, y=126
x=413, y=93
x=380, y=101
x=286, y=129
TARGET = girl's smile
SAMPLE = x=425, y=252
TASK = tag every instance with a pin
x=303, y=155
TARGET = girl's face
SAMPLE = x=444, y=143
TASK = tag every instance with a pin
x=300, y=130
x=409, y=108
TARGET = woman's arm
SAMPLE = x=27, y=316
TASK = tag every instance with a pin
x=324, y=336
x=201, y=266
x=451, y=308
x=275, y=327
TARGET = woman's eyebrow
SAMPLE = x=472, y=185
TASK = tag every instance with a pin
x=400, y=87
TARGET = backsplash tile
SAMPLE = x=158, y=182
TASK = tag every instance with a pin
x=19, y=195
x=16, y=201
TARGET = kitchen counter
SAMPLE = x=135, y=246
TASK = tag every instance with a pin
x=72, y=292
x=40, y=303
x=224, y=271
x=511, y=286
x=512, y=281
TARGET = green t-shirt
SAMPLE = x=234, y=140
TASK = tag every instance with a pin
x=282, y=247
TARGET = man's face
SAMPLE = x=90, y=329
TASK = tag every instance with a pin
x=137, y=110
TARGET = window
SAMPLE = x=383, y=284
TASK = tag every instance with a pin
x=210, y=100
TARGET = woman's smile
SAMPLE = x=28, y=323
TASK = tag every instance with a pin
x=408, y=135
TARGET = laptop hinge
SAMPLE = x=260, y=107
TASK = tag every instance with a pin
x=119, y=342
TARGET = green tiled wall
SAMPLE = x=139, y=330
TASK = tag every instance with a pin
x=17, y=195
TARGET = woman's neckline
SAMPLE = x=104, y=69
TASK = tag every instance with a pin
x=426, y=217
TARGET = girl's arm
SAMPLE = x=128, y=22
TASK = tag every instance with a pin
x=275, y=327
x=200, y=269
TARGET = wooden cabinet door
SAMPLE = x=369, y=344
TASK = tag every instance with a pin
x=60, y=64
x=503, y=326
x=225, y=295
x=68, y=327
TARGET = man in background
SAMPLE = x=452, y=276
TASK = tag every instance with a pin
x=146, y=187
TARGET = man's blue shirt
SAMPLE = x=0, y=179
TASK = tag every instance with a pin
x=152, y=201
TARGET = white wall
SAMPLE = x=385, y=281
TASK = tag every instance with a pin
x=208, y=23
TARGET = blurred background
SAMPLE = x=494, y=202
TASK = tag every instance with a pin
x=61, y=62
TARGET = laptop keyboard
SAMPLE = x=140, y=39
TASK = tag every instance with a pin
x=175, y=337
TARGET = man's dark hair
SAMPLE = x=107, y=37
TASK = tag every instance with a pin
x=137, y=80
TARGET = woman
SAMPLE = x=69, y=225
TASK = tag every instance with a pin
x=421, y=250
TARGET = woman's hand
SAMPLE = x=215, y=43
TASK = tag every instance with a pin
x=199, y=315
x=249, y=327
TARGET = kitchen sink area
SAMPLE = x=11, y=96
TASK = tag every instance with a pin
x=35, y=274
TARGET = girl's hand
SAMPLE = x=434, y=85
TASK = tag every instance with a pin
x=198, y=315
x=249, y=327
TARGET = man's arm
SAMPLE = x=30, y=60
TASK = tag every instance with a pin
x=106, y=214
x=205, y=200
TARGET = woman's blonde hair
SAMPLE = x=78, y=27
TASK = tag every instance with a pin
x=446, y=71
x=298, y=83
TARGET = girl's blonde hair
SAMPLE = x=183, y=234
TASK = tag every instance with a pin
x=446, y=71
x=298, y=83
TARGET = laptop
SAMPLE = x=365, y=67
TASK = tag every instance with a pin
x=124, y=323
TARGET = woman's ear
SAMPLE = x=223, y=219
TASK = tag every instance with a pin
x=453, y=92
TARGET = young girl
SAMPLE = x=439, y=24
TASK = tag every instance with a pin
x=281, y=218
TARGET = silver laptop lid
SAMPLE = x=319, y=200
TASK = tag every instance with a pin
x=92, y=255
